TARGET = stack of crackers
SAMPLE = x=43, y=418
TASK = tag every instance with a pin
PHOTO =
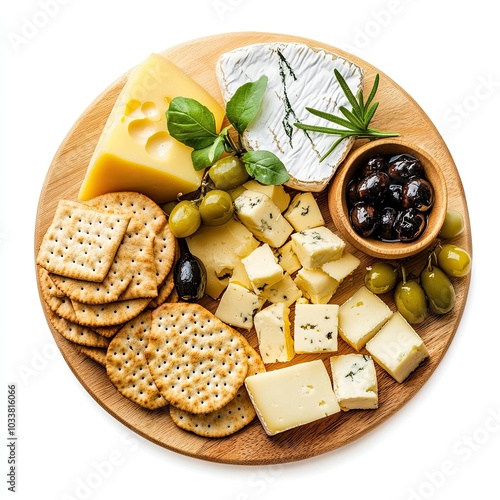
x=105, y=271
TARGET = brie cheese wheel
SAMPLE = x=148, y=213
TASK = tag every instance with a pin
x=299, y=76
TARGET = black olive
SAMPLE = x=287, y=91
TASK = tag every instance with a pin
x=387, y=219
x=410, y=224
x=393, y=196
x=352, y=192
x=364, y=218
x=190, y=277
x=404, y=166
x=374, y=164
x=418, y=193
x=373, y=187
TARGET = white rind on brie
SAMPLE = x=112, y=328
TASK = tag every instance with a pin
x=299, y=76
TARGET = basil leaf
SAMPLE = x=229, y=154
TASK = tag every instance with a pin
x=205, y=157
x=243, y=107
x=266, y=167
x=191, y=123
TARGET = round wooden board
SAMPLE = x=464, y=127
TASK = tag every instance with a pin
x=251, y=446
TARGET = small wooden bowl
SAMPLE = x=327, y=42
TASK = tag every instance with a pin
x=337, y=200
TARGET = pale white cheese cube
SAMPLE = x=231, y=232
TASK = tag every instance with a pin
x=272, y=325
x=292, y=396
x=341, y=268
x=277, y=193
x=397, y=348
x=285, y=291
x=315, y=328
x=304, y=212
x=262, y=217
x=316, y=285
x=361, y=316
x=287, y=258
x=238, y=306
x=355, y=381
x=262, y=268
x=317, y=246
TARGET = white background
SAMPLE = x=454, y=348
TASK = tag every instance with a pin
x=443, y=444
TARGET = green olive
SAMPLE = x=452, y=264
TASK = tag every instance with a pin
x=454, y=261
x=184, y=219
x=439, y=290
x=228, y=172
x=453, y=225
x=381, y=277
x=216, y=208
x=411, y=301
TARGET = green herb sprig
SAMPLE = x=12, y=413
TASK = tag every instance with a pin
x=193, y=124
x=356, y=122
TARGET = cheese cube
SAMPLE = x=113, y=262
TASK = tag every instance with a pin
x=341, y=268
x=221, y=248
x=272, y=325
x=304, y=212
x=317, y=246
x=355, y=381
x=238, y=306
x=397, y=348
x=277, y=194
x=262, y=268
x=262, y=217
x=285, y=291
x=295, y=395
x=287, y=258
x=361, y=316
x=316, y=285
x=135, y=152
x=315, y=327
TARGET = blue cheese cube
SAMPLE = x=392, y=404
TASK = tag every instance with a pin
x=285, y=291
x=361, y=316
x=304, y=212
x=317, y=246
x=262, y=217
x=316, y=285
x=355, y=381
x=272, y=325
x=397, y=348
x=292, y=396
x=238, y=306
x=315, y=328
x=277, y=194
x=287, y=258
x=262, y=268
x=341, y=268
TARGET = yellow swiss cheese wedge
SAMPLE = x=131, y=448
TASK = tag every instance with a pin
x=135, y=151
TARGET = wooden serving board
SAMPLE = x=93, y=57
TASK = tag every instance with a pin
x=251, y=446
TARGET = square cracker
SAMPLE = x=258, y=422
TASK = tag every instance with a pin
x=81, y=242
x=127, y=367
x=197, y=362
x=232, y=417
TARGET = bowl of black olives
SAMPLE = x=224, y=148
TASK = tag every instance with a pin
x=389, y=199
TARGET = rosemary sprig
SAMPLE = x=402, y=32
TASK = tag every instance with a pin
x=356, y=122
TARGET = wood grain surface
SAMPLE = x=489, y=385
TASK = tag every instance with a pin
x=251, y=446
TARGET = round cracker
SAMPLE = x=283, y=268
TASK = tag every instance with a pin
x=238, y=413
x=197, y=362
x=127, y=367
